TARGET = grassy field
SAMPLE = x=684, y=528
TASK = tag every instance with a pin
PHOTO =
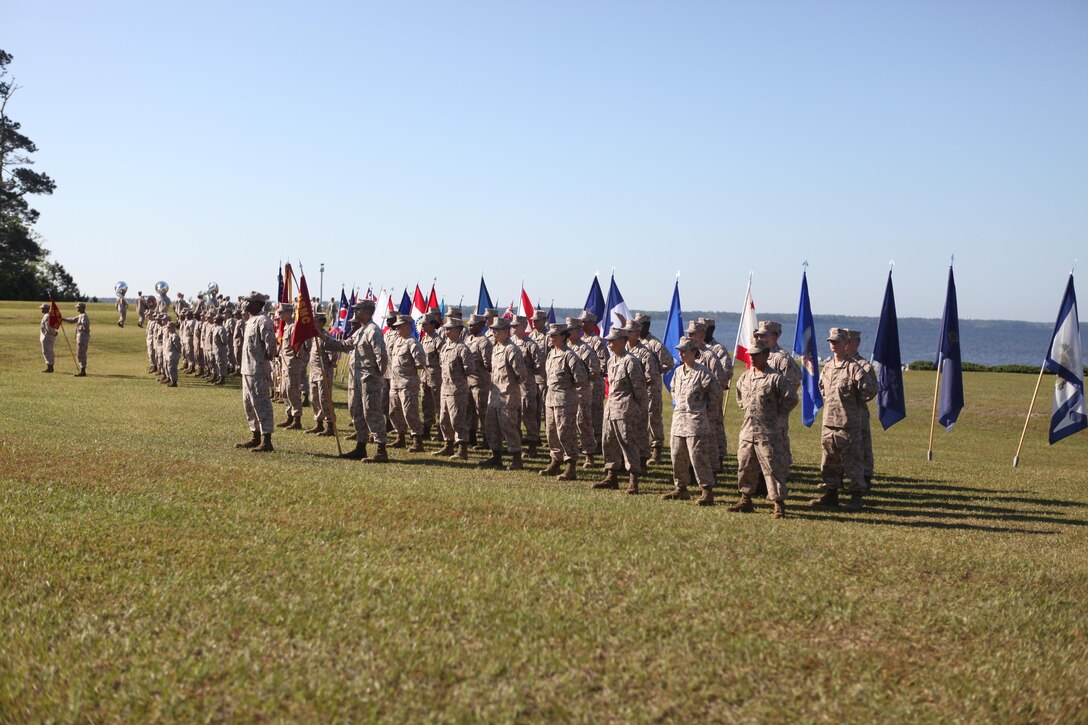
x=150, y=571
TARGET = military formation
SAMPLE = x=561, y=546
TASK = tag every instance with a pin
x=519, y=389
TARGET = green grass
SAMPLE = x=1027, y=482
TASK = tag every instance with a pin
x=150, y=571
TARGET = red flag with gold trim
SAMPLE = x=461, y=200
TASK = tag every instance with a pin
x=56, y=319
x=305, y=324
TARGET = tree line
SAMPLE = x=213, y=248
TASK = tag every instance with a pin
x=26, y=270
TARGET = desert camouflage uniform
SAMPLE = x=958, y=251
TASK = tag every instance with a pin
x=479, y=382
x=458, y=365
x=504, y=401
x=321, y=373
x=258, y=350
x=716, y=406
x=588, y=441
x=406, y=359
x=122, y=311
x=765, y=398
x=531, y=398
x=846, y=388
x=624, y=413
x=369, y=360
x=47, y=337
x=431, y=379
x=782, y=362
x=595, y=343
x=651, y=370
x=866, y=428
x=665, y=363
x=692, y=440
x=173, y=355
x=83, y=336
x=566, y=374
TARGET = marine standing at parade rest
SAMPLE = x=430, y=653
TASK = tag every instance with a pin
x=258, y=351
x=588, y=441
x=479, y=383
x=652, y=370
x=716, y=410
x=539, y=335
x=220, y=339
x=847, y=387
x=624, y=414
x=141, y=308
x=692, y=443
x=406, y=359
x=566, y=375
x=173, y=353
x=765, y=397
x=504, y=400
x=83, y=336
x=531, y=399
x=47, y=337
x=389, y=336
x=292, y=365
x=665, y=363
x=866, y=429
x=122, y=310
x=458, y=365
x=369, y=361
x=431, y=379
x=321, y=373
x=778, y=359
x=595, y=343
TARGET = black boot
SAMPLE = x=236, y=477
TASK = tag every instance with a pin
x=357, y=453
x=495, y=461
x=252, y=442
x=516, y=464
x=380, y=455
x=266, y=445
x=48, y=369
x=830, y=500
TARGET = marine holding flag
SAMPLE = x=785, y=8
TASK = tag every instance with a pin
x=51, y=320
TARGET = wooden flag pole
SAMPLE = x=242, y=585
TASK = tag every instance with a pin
x=330, y=412
x=933, y=420
x=1016, y=458
x=70, y=351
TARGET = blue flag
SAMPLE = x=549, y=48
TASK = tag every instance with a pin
x=279, y=284
x=1066, y=359
x=405, y=307
x=948, y=360
x=674, y=329
x=551, y=314
x=341, y=316
x=804, y=344
x=891, y=401
x=616, y=311
x=485, y=298
x=595, y=300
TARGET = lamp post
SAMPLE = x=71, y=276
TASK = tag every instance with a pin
x=321, y=289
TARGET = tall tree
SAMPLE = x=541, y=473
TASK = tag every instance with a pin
x=25, y=270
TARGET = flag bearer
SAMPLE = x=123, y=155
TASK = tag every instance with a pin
x=83, y=336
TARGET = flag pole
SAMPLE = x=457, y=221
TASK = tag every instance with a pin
x=933, y=420
x=1016, y=458
x=70, y=351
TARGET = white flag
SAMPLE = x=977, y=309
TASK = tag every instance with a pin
x=1066, y=359
x=747, y=329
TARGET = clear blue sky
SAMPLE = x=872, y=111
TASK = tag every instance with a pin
x=397, y=141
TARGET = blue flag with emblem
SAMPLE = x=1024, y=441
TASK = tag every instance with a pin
x=674, y=330
x=948, y=361
x=891, y=401
x=804, y=344
x=595, y=300
x=1065, y=358
x=485, y=298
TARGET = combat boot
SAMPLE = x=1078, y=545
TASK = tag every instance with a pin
x=743, y=504
x=399, y=442
x=680, y=493
x=495, y=461
x=445, y=450
x=551, y=469
x=531, y=449
x=855, y=503
x=417, y=445
x=82, y=372
x=568, y=473
x=327, y=433
x=220, y=381
x=266, y=445
x=251, y=443
x=380, y=455
x=587, y=461
x=318, y=427
x=296, y=422
x=286, y=423
x=426, y=432
x=172, y=384
x=707, y=499
x=357, y=453
x=779, y=509
x=48, y=369
x=609, y=480
x=632, y=484
x=830, y=500
x=655, y=457
x=516, y=464
x=462, y=452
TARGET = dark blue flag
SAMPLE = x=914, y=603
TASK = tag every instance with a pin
x=551, y=314
x=674, y=330
x=891, y=401
x=948, y=360
x=615, y=311
x=595, y=300
x=804, y=344
x=405, y=307
x=279, y=284
x=485, y=298
x=1065, y=358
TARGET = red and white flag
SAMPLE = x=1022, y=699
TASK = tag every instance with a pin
x=419, y=308
x=525, y=309
x=432, y=301
x=747, y=329
x=382, y=308
x=509, y=312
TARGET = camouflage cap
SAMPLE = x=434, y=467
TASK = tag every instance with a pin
x=171, y=324
x=490, y=312
x=81, y=305
x=767, y=327
x=587, y=317
x=708, y=321
x=403, y=320
x=838, y=334
x=686, y=344
x=475, y=319
x=855, y=335
x=365, y=305
x=642, y=318
x=616, y=333
x=631, y=326
x=257, y=297
x=755, y=347
x=695, y=326
x=455, y=312
x=501, y=324
x=556, y=328
x=574, y=323
x=540, y=315
x=453, y=323
x=433, y=317
x=45, y=308
x=519, y=320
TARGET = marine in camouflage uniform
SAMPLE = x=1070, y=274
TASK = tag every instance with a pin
x=588, y=441
x=221, y=339
x=539, y=335
x=431, y=379
x=691, y=443
x=696, y=332
x=173, y=354
x=83, y=336
x=504, y=401
x=566, y=375
x=781, y=361
x=479, y=383
x=725, y=361
x=624, y=414
x=764, y=396
x=531, y=399
x=866, y=429
x=321, y=374
x=458, y=365
x=406, y=359
x=389, y=335
x=258, y=351
x=47, y=337
x=665, y=363
x=651, y=369
x=847, y=387
x=594, y=341
x=122, y=310
x=292, y=368
x=369, y=360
